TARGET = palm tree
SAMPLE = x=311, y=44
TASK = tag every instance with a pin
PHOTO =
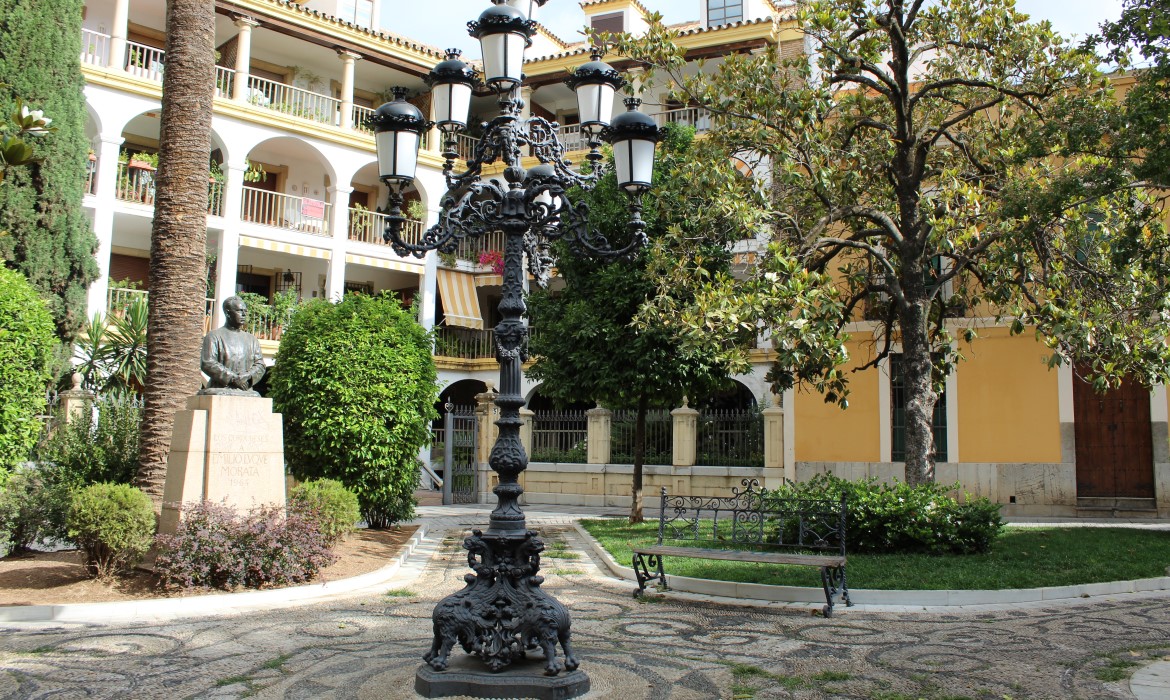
x=177, y=239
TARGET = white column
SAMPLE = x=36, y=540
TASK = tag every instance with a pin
x=243, y=58
x=428, y=285
x=119, y=34
x=227, y=253
x=339, y=228
x=103, y=220
x=348, y=58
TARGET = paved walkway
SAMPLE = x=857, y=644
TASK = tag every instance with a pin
x=369, y=645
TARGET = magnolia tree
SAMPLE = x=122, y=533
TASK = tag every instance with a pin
x=929, y=163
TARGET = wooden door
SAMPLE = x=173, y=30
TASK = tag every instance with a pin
x=1114, y=441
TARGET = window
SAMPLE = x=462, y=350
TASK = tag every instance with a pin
x=724, y=12
x=898, y=417
x=360, y=12
x=614, y=23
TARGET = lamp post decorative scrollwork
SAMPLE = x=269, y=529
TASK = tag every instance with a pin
x=502, y=612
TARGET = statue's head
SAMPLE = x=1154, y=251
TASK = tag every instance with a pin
x=235, y=311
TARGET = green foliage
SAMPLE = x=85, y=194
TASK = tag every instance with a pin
x=356, y=385
x=998, y=156
x=113, y=524
x=33, y=507
x=48, y=235
x=27, y=349
x=330, y=504
x=111, y=352
x=104, y=449
x=898, y=518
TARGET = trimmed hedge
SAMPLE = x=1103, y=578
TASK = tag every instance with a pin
x=330, y=504
x=901, y=519
x=113, y=524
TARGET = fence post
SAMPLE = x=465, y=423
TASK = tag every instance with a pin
x=486, y=431
x=448, y=452
x=76, y=402
x=773, y=445
x=598, y=424
x=686, y=435
x=526, y=430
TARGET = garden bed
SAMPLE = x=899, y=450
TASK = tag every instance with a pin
x=46, y=578
x=1021, y=557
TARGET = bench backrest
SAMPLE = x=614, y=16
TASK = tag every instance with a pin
x=753, y=518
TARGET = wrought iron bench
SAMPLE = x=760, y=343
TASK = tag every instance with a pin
x=754, y=526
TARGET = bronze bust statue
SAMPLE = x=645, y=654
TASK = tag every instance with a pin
x=231, y=355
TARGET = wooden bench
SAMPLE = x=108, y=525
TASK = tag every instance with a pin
x=754, y=526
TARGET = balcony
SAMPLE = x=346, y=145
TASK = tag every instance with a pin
x=144, y=61
x=285, y=211
x=464, y=343
x=366, y=226
x=135, y=183
x=119, y=299
x=697, y=117
x=296, y=101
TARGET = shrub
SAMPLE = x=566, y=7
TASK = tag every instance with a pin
x=104, y=450
x=33, y=507
x=27, y=346
x=897, y=518
x=356, y=384
x=332, y=506
x=215, y=547
x=113, y=524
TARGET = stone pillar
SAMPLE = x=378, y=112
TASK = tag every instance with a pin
x=774, y=474
x=347, y=61
x=686, y=433
x=76, y=402
x=227, y=251
x=103, y=220
x=339, y=217
x=243, y=58
x=526, y=430
x=598, y=435
x=119, y=34
x=486, y=414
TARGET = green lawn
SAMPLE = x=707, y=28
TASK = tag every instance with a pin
x=1021, y=558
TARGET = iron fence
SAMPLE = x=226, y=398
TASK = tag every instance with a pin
x=730, y=438
x=659, y=437
x=559, y=436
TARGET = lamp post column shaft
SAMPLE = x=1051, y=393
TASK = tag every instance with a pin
x=508, y=458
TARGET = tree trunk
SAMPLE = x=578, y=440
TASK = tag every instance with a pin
x=639, y=460
x=178, y=237
x=916, y=377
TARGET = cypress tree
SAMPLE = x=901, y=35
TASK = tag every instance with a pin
x=49, y=238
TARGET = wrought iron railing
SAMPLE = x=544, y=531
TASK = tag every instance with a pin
x=144, y=61
x=296, y=101
x=286, y=211
x=224, y=78
x=730, y=438
x=698, y=117
x=367, y=226
x=464, y=343
x=559, y=436
x=659, y=437
x=95, y=48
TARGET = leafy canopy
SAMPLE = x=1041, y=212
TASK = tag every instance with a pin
x=356, y=384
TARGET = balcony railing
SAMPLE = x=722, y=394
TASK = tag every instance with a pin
x=293, y=100
x=224, y=78
x=215, y=198
x=698, y=117
x=367, y=226
x=573, y=139
x=119, y=299
x=91, y=175
x=465, y=146
x=470, y=248
x=144, y=61
x=464, y=343
x=135, y=184
x=95, y=48
x=360, y=115
x=309, y=216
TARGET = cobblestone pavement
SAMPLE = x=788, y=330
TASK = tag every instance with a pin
x=370, y=646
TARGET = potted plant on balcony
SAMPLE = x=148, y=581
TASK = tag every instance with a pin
x=361, y=224
x=493, y=259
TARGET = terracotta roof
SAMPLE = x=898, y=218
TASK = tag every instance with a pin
x=384, y=36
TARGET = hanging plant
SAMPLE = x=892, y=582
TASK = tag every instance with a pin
x=493, y=259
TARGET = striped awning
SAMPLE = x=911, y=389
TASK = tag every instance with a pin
x=281, y=247
x=351, y=259
x=489, y=280
x=460, y=302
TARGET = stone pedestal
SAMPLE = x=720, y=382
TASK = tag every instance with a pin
x=227, y=449
x=467, y=677
x=598, y=441
x=686, y=434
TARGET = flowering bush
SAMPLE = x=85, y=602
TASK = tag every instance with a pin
x=493, y=259
x=216, y=547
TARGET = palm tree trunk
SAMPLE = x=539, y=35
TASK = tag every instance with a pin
x=178, y=237
x=639, y=460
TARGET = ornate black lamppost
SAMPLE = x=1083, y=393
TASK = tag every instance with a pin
x=503, y=612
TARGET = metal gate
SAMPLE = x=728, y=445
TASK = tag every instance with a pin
x=459, y=466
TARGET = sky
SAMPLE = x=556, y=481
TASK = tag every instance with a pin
x=565, y=18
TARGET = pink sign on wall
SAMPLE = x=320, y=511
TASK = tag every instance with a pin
x=313, y=208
